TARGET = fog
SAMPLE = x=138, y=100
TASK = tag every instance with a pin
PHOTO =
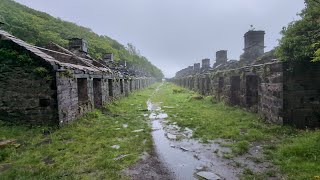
x=176, y=34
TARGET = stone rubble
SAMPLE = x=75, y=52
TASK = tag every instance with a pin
x=138, y=130
x=208, y=175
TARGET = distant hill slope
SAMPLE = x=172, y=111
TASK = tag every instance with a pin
x=39, y=28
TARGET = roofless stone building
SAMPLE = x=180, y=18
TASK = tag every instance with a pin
x=54, y=85
x=285, y=93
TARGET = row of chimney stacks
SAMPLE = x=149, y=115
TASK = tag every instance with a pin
x=253, y=48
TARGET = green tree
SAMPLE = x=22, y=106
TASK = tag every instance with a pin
x=301, y=39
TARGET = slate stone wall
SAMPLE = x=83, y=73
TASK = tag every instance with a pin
x=27, y=94
x=37, y=95
x=126, y=87
x=67, y=97
x=37, y=90
x=301, y=93
x=281, y=92
x=117, y=89
x=105, y=91
x=257, y=88
x=270, y=103
x=69, y=106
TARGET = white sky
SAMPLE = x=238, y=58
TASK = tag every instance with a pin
x=174, y=34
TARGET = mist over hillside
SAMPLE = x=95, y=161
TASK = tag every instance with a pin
x=40, y=28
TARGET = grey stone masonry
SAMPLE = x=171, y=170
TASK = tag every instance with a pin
x=221, y=57
x=286, y=93
x=253, y=45
x=205, y=63
x=56, y=86
x=196, y=68
x=78, y=46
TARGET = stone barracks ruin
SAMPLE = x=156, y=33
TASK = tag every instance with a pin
x=285, y=93
x=54, y=85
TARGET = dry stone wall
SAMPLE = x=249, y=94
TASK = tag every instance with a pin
x=27, y=88
x=67, y=96
x=301, y=94
x=285, y=93
x=53, y=87
x=281, y=92
x=97, y=94
x=26, y=97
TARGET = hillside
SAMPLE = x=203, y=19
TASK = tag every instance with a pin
x=39, y=28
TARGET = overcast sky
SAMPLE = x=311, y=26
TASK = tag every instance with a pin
x=174, y=34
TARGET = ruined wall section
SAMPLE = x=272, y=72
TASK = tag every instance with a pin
x=72, y=103
x=67, y=97
x=105, y=91
x=270, y=104
x=27, y=89
x=285, y=93
x=258, y=88
x=45, y=87
x=302, y=94
x=116, y=88
x=23, y=94
x=126, y=87
x=78, y=94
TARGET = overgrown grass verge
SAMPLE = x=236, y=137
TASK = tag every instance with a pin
x=296, y=152
x=83, y=149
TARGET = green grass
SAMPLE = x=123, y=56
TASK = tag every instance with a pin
x=300, y=156
x=82, y=149
x=296, y=152
x=250, y=175
x=212, y=120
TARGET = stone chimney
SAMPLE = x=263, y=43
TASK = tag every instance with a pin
x=190, y=70
x=205, y=64
x=253, y=44
x=108, y=57
x=78, y=46
x=123, y=63
x=196, y=68
x=185, y=72
x=1, y=24
x=221, y=57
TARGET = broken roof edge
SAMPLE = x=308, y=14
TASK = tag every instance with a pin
x=86, y=65
x=67, y=52
x=37, y=51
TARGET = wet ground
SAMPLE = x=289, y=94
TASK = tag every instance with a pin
x=177, y=156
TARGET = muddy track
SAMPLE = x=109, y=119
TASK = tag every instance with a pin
x=177, y=156
x=149, y=168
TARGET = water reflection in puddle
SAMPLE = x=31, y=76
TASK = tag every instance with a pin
x=158, y=116
x=182, y=155
x=179, y=162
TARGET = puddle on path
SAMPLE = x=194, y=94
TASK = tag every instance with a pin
x=185, y=157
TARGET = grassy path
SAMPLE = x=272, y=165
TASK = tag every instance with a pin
x=83, y=149
x=296, y=152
